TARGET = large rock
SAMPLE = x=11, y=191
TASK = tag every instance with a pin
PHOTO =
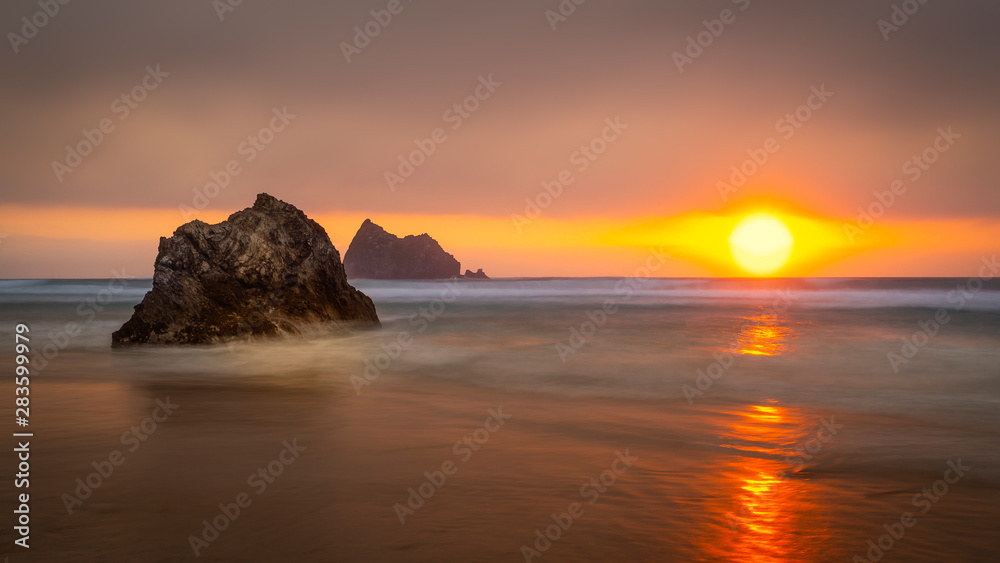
x=378, y=255
x=265, y=271
x=477, y=275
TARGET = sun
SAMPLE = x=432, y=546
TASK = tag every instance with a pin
x=761, y=244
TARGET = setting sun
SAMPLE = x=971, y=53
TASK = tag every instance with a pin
x=761, y=244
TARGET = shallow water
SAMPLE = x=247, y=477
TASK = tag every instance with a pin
x=725, y=392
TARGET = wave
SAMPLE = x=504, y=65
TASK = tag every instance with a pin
x=841, y=293
x=124, y=290
x=808, y=293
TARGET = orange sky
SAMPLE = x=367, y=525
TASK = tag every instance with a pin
x=43, y=242
x=803, y=107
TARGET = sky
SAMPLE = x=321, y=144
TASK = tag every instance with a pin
x=586, y=136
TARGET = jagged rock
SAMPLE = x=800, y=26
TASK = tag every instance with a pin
x=267, y=270
x=378, y=255
x=478, y=275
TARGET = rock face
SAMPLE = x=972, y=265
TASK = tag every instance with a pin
x=478, y=275
x=267, y=270
x=378, y=255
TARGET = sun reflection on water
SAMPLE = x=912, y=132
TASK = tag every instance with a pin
x=763, y=335
x=766, y=510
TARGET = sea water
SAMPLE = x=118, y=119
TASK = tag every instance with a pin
x=599, y=419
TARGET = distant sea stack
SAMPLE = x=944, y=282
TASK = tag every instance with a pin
x=478, y=275
x=265, y=271
x=378, y=255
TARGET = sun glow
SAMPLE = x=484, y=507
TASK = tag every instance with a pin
x=752, y=237
x=761, y=244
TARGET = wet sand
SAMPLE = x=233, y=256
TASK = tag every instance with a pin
x=706, y=485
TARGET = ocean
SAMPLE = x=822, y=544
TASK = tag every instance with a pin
x=597, y=419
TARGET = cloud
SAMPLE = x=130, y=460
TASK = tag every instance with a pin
x=608, y=59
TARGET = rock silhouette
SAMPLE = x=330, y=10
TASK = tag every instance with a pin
x=379, y=255
x=265, y=271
